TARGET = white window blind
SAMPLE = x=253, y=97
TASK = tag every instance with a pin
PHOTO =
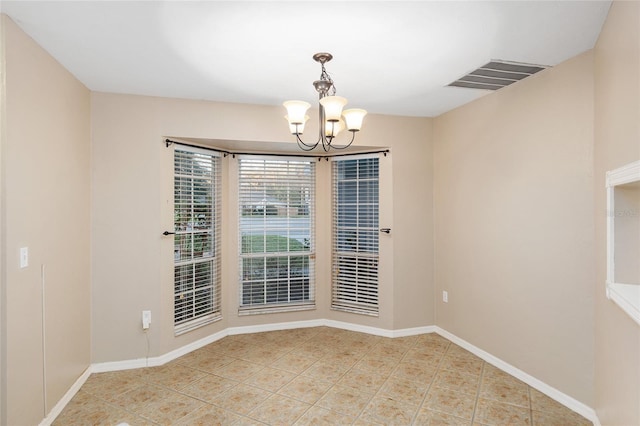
x=355, y=235
x=277, y=261
x=197, y=189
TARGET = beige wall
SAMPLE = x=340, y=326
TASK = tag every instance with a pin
x=132, y=198
x=45, y=195
x=617, y=142
x=514, y=225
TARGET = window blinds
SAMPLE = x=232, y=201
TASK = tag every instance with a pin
x=197, y=189
x=355, y=235
x=277, y=267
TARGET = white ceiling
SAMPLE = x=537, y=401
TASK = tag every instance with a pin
x=391, y=57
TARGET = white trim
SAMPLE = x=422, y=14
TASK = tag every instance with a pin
x=66, y=398
x=626, y=296
x=232, y=331
x=553, y=393
x=625, y=174
x=159, y=360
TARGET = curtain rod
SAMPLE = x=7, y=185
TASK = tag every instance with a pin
x=169, y=142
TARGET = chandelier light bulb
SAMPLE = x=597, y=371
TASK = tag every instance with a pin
x=296, y=111
x=296, y=128
x=333, y=107
x=332, y=128
x=353, y=117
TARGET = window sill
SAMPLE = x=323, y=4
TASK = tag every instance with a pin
x=627, y=296
x=276, y=309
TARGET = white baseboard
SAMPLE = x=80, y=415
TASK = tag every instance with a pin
x=68, y=396
x=275, y=327
x=553, y=393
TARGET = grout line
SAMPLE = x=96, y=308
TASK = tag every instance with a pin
x=475, y=405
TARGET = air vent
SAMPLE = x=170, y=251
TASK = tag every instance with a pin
x=497, y=74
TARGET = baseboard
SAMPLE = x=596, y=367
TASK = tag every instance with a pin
x=68, y=396
x=275, y=327
x=553, y=393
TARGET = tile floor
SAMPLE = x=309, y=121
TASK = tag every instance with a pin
x=316, y=376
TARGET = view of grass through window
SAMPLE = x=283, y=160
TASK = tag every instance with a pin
x=276, y=230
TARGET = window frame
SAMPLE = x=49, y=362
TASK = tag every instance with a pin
x=359, y=281
x=214, y=313
x=308, y=301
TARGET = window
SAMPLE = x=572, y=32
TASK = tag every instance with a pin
x=197, y=191
x=355, y=235
x=276, y=197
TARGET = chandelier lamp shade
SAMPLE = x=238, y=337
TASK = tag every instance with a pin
x=332, y=118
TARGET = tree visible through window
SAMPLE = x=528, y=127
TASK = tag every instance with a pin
x=276, y=198
x=197, y=238
x=355, y=235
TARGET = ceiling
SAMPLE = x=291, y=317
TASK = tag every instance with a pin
x=390, y=57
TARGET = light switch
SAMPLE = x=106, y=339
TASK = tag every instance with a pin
x=24, y=257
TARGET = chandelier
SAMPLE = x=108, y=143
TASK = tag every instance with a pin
x=331, y=118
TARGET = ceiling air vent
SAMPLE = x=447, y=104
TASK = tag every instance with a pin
x=497, y=74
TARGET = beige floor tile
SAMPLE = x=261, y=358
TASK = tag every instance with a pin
x=174, y=376
x=388, y=411
x=490, y=412
x=432, y=342
x=407, y=391
x=344, y=400
x=493, y=373
x=109, y=386
x=135, y=400
x=306, y=389
x=247, y=421
x=265, y=355
x=317, y=416
x=208, y=415
x=423, y=356
x=416, y=373
x=559, y=419
x=294, y=362
x=462, y=365
x=378, y=365
x=97, y=413
x=205, y=360
x=345, y=358
x=542, y=403
x=508, y=390
x=279, y=410
x=325, y=371
x=241, y=399
x=170, y=409
x=388, y=350
x=428, y=417
x=238, y=370
x=270, y=379
x=209, y=387
x=363, y=381
x=450, y=402
x=459, y=382
x=458, y=351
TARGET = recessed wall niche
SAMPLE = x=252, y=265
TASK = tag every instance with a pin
x=623, y=238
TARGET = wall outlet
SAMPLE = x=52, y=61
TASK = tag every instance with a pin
x=445, y=297
x=146, y=319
